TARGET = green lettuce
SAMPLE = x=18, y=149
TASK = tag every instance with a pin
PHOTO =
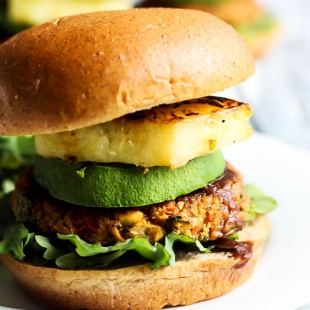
x=264, y=23
x=71, y=252
x=16, y=153
x=260, y=203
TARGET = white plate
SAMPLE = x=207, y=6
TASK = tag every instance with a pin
x=282, y=277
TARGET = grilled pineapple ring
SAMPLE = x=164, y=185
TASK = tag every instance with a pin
x=166, y=135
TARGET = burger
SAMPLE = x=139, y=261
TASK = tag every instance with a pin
x=18, y=15
x=130, y=203
x=254, y=23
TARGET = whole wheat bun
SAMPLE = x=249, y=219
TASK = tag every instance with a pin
x=87, y=69
x=194, y=278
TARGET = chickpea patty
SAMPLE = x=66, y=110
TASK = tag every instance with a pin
x=214, y=211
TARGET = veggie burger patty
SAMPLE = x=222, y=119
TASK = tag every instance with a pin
x=214, y=211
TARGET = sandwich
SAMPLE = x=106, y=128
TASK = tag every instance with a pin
x=252, y=20
x=130, y=201
x=18, y=15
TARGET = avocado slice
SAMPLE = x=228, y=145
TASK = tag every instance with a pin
x=122, y=185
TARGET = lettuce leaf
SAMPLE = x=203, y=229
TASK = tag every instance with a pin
x=74, y=261
x=173, y=237
x=16, y=238
x=16, y=153
x=71, y=252
x=260, y=203
x=154, y=253
x=259, y=25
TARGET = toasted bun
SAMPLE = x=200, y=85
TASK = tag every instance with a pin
x=207, y=275
x=87, y=69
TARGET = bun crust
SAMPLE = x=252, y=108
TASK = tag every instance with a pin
x=87, y=69
x=194, y=278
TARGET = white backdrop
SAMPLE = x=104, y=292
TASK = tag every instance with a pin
x=280, y=90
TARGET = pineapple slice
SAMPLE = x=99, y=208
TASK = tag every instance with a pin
x=167, y=135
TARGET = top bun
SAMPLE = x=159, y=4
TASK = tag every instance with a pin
x=91, y=68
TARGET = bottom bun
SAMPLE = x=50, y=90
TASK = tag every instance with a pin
x=195, y=277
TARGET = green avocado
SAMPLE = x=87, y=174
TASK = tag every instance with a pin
x=120, y=185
